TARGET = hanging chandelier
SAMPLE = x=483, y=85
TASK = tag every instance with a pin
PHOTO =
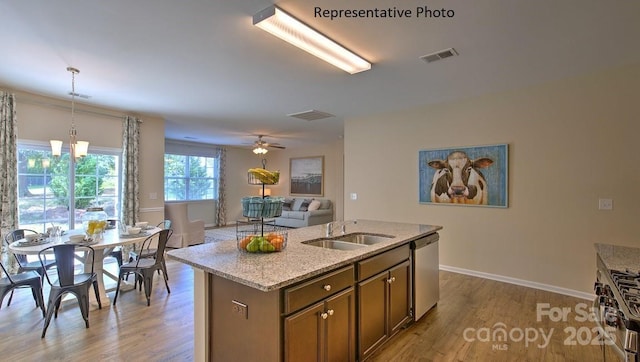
x=77, y=148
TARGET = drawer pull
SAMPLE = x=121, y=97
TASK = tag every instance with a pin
x=327, y=287
x=324, y=315
x=330, y=311
x=391, y=280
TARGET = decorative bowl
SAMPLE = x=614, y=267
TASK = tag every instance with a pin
x=76, y=238
x=133, y=230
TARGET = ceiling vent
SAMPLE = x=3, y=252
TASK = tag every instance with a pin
x=311, y=115
x=430, y=58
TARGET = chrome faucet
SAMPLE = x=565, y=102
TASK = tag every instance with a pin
x=343, y=227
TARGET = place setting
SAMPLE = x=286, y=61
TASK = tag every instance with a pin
x=81, y=239
x=139, y=229
x=33, y=240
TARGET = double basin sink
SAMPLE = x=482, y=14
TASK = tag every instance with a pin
x=349, y=241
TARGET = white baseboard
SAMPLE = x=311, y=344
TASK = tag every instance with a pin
x=524, y=283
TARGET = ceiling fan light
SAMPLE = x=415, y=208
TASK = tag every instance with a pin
x=260, y=150
x=286, y=27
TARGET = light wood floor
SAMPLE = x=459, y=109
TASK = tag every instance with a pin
x=131, y=331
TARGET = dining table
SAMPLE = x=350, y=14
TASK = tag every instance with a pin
x=103, y=246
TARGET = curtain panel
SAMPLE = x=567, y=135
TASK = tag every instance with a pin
x=8, y=172
x=221, y=217
x=130, y=177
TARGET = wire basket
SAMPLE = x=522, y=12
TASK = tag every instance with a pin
x=261, y=238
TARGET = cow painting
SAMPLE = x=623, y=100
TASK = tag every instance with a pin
x=458, y=180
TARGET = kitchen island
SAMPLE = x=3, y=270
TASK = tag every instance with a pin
x=242, y=300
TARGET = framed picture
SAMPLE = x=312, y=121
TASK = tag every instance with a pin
x=306, y=176
x=475, y=176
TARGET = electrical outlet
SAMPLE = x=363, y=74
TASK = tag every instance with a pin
x=605, y=204
x=240, y=309
x=153, y=195
x=354, y=196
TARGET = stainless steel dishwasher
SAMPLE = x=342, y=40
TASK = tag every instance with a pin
x=426, y=274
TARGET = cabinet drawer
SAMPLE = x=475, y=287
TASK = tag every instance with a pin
x=379, y=263
x=316, y=289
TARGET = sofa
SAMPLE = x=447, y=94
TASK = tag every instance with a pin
x=301, y=212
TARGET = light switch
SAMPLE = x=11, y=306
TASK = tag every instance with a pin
x=605, y=204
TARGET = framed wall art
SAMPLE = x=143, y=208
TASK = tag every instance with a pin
x=306, y=176
x=476, y=175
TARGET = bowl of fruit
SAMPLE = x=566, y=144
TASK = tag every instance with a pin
x=261, y=242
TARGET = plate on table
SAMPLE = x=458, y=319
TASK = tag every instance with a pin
x=83, y=242
x=35, y=242
x=138, y=235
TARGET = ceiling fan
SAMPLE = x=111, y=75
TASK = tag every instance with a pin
x=260, y=146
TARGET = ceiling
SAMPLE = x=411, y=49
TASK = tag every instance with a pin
x=216, y=78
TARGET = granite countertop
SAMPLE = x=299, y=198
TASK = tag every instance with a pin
x=297, y=261
x=620, y=258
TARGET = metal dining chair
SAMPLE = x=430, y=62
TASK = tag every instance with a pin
x=29, y=279
x=149, y=252
x=145, y=268
x=69, y=280
x=25, y=265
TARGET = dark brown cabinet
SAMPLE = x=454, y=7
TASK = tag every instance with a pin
x=325, y=331
x=384, y=300
x=320, y=318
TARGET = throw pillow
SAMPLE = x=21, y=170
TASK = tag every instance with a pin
x=305, y=205
x=296, y=204
x=286, y=205
x=314, y=205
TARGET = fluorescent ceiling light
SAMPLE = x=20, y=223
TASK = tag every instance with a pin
x=291, y=30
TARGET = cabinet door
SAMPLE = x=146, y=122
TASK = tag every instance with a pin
x=372, y=307
x=303, y=332
x=399, y=296
x=341, y=327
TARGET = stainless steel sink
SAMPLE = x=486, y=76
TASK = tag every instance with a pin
x=349, y=241
x=363, y=238
x=334, y=244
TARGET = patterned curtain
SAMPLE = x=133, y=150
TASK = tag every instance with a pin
x=130, y=155
x=221, y=217
x=8, y=172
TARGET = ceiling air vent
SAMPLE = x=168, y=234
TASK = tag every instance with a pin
x=430, y=58
x=311, y=115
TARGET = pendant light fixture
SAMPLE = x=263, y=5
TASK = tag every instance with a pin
x=77, y=148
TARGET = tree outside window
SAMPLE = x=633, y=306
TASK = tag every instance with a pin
x=190, y=177
x=43, y=187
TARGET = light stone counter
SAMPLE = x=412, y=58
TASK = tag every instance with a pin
x=297, y=262
x=620, y=258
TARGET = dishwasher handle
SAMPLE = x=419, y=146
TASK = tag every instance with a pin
x=422, y=242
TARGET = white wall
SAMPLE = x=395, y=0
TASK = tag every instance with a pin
x=570, y=143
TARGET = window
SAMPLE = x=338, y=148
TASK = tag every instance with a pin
x=43, y=186
x=188, y=178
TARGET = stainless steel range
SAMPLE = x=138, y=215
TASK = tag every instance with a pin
x=617, y=303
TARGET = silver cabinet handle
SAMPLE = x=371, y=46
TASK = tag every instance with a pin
x=324, y=315
x=391, y=280
x=327, y=287
x=330, y=311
